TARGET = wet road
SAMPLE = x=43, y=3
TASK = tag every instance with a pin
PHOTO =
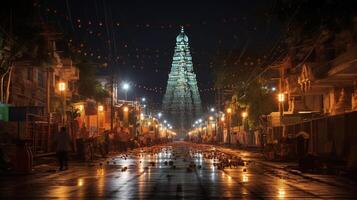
x=194, y=173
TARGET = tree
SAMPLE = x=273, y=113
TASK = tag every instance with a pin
x=316, y=24
x=250, y=92
x=20, y=38
x=88, y=86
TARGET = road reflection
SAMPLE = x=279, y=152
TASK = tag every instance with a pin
x=162, y=172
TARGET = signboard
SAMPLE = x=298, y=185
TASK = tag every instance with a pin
x=4, y=112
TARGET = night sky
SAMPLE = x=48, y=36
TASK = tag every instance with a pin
x=137, y=39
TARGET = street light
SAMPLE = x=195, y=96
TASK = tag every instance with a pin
x=210, y=118
x=159, y=115
x=229, y=110
x=61, y=86
x=222, y=119
x=143, y=99
x=125, y=109
x=80, y=108
x=244, y=114
x=281, y=97
x=126, y=87
x=212, y=109
x=100, y=108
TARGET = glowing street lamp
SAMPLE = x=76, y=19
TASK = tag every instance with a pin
x=159, y=115
x=61, y=86
x=281, y=97
x=143, y=99
x=212, y=109
x=80, y=108
x=210, y=118
x=244, y=114
x=126, y=87
x=125, y=109
x=222, y=119
x=229, y=110
x=100, y=108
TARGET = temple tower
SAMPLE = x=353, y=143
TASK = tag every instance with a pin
x=182, y=102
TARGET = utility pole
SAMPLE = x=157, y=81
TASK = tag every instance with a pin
x=48, y=101
x=112, y=103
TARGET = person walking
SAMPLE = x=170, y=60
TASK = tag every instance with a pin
x=63, y=146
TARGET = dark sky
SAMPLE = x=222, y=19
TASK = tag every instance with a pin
x=142, y=34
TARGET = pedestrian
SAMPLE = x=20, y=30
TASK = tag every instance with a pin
x=63, y=146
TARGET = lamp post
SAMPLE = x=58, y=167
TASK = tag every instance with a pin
x=210, y=127
x=100, y=109
x=281, y=99
x=229, y=112
x=221, y=128
x=126, y=87
x=62, y=89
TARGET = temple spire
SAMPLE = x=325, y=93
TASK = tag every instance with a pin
x=182, y=102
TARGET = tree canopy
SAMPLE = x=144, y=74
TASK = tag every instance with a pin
x=250, y=91
x=88, y=85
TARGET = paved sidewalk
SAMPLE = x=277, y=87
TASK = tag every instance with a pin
x=291, y=167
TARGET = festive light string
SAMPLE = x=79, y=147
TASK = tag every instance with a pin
x=160, y=90
x=87, y=26
x=100, y=23
x=142, y=58
x=83, y=49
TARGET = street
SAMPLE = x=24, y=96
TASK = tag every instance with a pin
x=195, y=172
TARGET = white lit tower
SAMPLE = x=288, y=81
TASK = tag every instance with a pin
x=182, y=102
